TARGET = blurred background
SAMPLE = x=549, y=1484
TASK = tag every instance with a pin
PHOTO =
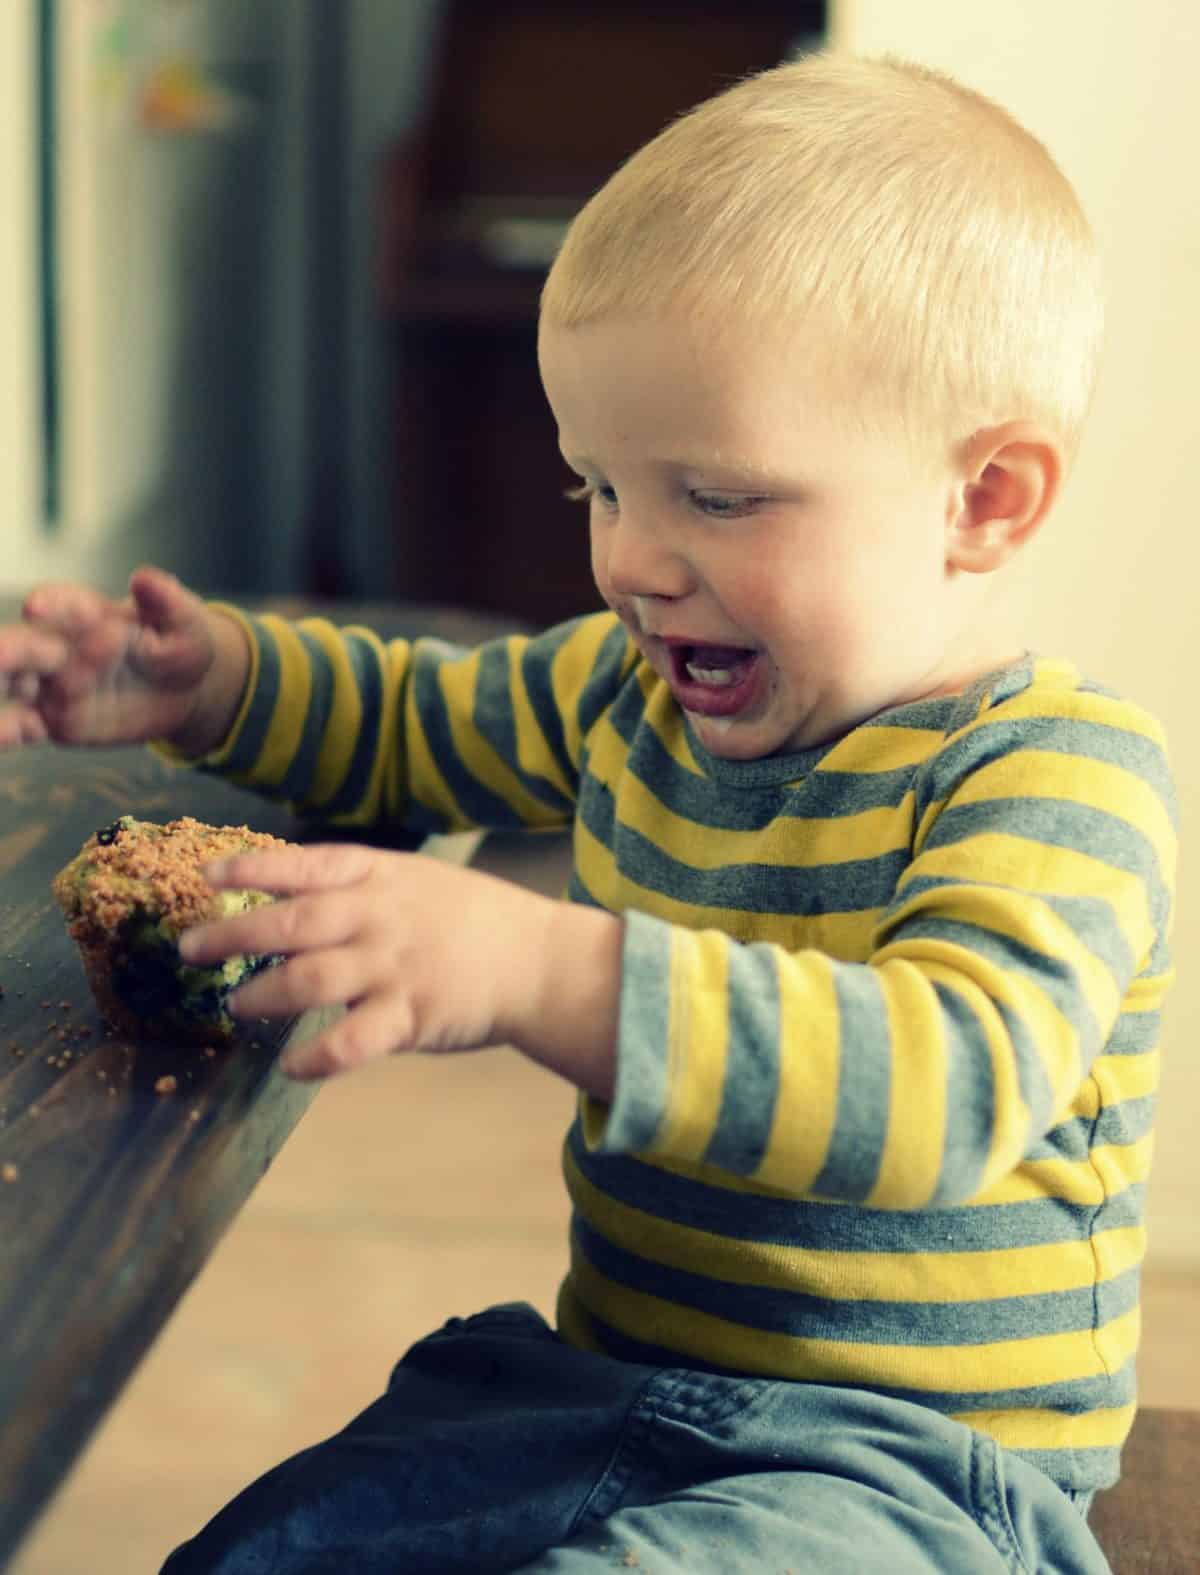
x=268, y=277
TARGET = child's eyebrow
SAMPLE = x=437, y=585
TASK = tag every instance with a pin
x=738, y=466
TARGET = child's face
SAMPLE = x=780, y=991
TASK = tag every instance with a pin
x=785, y=575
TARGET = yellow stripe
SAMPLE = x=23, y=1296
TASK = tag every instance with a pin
x=573, y=1323
x=1106, y=1428
x=664, y=716
x=1145, y=994
x=1035, y=869
x=806, y=1100
x=785, y=842
x=426, y=783
x=1010, y=1114
x=1104, y=710
x=911, y=1163
x=697, y=1047
x=345, y=713
x=1005, y=912
x=1073, y=1181
x=1002, y=1364
x=458, y=682
x=846, y=936
x=573, y=664
x=1054, y=1033
x=533, y=753
x=1120, y=1077
x=868, y=751
x=286, y=727
x=837, y=1276
x=1034, y=773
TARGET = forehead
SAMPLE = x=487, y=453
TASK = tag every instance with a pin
x=681, y=386
x=619, y=374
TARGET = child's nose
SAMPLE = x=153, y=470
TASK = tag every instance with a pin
x=640, y=562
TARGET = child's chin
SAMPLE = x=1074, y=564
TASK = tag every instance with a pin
x=729, y=738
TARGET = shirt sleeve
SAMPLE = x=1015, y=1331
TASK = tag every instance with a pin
x=358, y=731
x=1036, y=907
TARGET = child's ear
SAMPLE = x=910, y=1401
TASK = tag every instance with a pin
x=1009, y=479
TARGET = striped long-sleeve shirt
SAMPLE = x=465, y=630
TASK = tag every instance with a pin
x=889, y=1019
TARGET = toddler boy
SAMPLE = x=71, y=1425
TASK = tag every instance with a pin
x=861, y=971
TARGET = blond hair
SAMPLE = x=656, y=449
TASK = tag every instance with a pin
x=928, y=238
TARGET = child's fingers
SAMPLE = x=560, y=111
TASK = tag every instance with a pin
x=316, y=867
x=27, y=651
x=70, y=610
x=159, y=597
x=19, y=725
x=369, y=1031
x=296, y=925
x=323, y=978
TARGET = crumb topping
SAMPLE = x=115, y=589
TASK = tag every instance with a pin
x=137, y=864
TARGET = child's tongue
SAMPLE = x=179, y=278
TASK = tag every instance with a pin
x=716, y=664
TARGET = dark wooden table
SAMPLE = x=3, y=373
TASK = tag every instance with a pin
x=114, y=1185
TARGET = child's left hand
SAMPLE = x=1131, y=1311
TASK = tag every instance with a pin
x=424, y=955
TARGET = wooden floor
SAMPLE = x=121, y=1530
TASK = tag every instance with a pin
x=382, y=1217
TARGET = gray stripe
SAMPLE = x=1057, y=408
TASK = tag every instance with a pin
x=855, y=886
x=253, y=735
x=1056, y=735
x=1054, y=976
x=578, y=892
x=537, y=667
x=1125, y=1122
x=1136, y=1033
x=298, y=781
x=367, y=672
x=970, y=1101
x=1033, y=1078
x=644, y=1031
x=706, y=800
x=1073, y=1396
x=750, y=1092
x=1090, y=920
x=775, y=1310
x=477, y=801
x=823, y=1227
x=602, y=689
x=1059, y=823
x=864, y=1076
x=494, y=718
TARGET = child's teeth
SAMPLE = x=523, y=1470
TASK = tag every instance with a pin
x=710, y=675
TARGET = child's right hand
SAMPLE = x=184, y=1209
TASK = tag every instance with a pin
x=81, y=668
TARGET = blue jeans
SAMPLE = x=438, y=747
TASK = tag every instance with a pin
x=498, y=1447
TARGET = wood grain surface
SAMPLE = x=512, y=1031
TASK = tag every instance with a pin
x=121, y=1164
x=1149, y=1524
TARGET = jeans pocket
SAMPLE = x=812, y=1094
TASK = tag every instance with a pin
x=990, y=1503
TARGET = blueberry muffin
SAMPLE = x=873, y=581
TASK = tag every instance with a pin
x=127, y=896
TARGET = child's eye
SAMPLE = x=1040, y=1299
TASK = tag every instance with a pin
x=726, y=505
x=587, y=490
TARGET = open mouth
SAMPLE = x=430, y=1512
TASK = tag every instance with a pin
x=714, y=680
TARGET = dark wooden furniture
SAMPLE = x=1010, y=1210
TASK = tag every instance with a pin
x=534, y=104
x=1149, y=1524
x=114, y=1186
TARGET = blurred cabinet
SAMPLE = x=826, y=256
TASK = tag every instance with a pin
x=534, y=104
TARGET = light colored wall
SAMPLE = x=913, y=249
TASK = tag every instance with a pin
x=20, y=458
x=1111, y=88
